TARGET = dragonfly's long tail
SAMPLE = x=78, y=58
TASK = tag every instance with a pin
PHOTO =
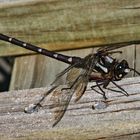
x=60, y=57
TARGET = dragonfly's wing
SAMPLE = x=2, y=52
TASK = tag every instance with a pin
x=81, y=82
x=61, y=96
x=116, y=46
x=61, y=74
x=81, y=86
x=76, y=84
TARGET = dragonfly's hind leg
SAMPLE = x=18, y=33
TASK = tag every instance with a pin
x=102, y=91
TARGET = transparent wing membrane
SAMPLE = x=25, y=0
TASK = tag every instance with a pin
x=76, y=83
x=61, y=97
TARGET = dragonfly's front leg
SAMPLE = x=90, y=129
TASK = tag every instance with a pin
x=120, y=91
x=104, y=84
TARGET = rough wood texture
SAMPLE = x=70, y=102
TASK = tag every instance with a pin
x=59, y=25
x=120, y=120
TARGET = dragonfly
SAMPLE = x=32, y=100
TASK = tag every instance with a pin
x=100, y=67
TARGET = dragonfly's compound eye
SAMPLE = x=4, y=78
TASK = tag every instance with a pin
x=121, y=70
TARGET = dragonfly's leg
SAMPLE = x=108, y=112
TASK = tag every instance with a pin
x=124, y=92
x=107, y=83
x=114, y=90
x=96, y=85
x=96, y=90
x=99, y=86
x=101, y=90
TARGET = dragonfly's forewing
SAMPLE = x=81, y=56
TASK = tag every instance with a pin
x=61, y=97
x=81, y=83
x=116, y=46
x=76, y=83
x=60, y=76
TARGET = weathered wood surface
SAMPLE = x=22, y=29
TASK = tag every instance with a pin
x=65, y=24
x=120, y=120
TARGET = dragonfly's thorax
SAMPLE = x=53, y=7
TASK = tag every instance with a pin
x=98, y=63
x=104, y=64
x=111, y=68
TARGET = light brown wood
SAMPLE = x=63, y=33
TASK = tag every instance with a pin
x=63, y=25
x=120, y=120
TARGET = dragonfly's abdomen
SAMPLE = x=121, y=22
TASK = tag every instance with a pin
x=57, y=56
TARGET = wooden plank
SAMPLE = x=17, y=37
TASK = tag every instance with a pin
x=120, y=120
x=137, y=57
x=62, y=25
x=21, y=71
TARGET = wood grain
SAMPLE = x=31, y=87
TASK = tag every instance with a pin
x=63, y=25
x=120, y=120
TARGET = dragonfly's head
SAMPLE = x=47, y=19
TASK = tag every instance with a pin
x=121, y=69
